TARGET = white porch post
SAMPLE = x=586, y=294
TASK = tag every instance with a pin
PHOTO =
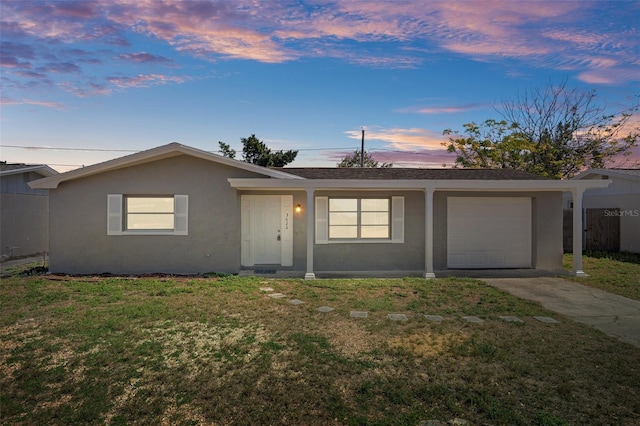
x=310, y=275
x=428, y=234
x=577, y=232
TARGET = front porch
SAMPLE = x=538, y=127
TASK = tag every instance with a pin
x=313, y=187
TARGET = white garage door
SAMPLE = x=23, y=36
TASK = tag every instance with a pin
x=489, y=232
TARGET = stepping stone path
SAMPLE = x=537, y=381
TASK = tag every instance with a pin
x=398, y=317
x=473, y=319
x=547, y=320
x=277, y=295
x=403, y=317
x=510, y=318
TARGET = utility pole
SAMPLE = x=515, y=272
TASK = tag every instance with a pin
x=362, y=150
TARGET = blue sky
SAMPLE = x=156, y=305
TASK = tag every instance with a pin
x=87, y=81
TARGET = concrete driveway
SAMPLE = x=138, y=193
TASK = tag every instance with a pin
x=615, y=315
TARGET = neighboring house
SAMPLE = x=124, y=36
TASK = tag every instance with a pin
x=177, y=209
x=612, y=214
x=24, y=212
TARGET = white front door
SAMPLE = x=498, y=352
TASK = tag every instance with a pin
x=267, y=230
x=267, y=236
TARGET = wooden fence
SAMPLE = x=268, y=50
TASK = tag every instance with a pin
x=601, y=230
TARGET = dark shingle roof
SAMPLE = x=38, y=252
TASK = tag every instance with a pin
x=402, y=173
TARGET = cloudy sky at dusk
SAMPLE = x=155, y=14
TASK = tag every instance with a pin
x=87, y=81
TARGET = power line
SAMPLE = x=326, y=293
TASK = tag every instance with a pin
x=378, y=150
x=132, y=150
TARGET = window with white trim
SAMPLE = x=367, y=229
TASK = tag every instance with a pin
x=147, y=214
x=359, y=218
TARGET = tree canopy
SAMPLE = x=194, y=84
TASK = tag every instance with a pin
x=554, y=132
x=353, y=160
x=226, y=150
x=257, y=152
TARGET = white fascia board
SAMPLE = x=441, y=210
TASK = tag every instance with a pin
x=166, y=151
x=399, y=184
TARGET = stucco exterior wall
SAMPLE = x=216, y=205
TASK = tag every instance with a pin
x=546, y=220
x=78, y=227
x=79, y=242
x=378, y=256
x=23, y=224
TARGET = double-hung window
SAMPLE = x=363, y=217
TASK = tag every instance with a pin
x=147, y=214
x=359, y=218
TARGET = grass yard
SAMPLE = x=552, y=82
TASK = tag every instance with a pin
x=617, y=273
x=161, y=350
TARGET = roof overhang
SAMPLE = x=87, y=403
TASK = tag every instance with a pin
x=606, y=172
x=166, y=151
x=41, y=169
x=415, y=185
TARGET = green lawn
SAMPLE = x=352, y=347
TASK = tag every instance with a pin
x=161, y=350
x=617, y=273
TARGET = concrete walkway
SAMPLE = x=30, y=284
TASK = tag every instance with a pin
x=615, y=315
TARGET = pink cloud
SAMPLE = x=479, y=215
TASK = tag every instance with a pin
x=275, y=32
x=425, y=158
x=629, y=161
x=144, y=57
x=441, y=110
x=46, y=104
x=202, y=28
x=83, y=90
x=60, y=67
x=402, y=139
x=144, y=80
x=605, y=75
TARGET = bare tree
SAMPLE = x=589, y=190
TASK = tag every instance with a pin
x=555, y=132
x=568, y=130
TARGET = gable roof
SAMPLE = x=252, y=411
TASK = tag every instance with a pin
x=165, y=151
x=7, y=169
x=405, y=173
x=632, y=174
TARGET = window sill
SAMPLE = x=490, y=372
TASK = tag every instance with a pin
x=151, y=232
x=362, y=241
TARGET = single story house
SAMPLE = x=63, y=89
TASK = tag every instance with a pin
x=617, y=205
x=24, y=212
x=176, y=209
